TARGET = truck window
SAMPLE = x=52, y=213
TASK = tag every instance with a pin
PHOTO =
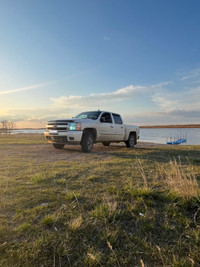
x=106, y=118
x=117, y=119
x=93, y=115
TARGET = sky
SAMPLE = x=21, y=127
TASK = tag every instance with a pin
x=139, y=58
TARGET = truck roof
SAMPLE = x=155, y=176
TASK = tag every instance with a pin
x=101, y=111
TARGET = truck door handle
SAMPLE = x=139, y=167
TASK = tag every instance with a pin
x=111, y=126
x=122, y=127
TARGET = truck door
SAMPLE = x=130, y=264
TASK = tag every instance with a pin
x=119, y=127
x=106, y=128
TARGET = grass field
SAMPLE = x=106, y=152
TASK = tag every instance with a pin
x=112, y=207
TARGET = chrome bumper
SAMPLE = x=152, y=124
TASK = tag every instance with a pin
x=70, y=137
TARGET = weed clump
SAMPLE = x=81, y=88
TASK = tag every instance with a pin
x=48, y=220
x=184, y=184
x=75, y=224
x=107, y=212
x=92, y=258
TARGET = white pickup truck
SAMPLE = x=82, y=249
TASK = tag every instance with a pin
x=91, y=127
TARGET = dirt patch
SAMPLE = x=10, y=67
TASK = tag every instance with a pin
x=46, y=152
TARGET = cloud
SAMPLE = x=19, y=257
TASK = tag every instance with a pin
x=42, y=114
x=193, y=74
x=164, y=101
x=39, y=117
x=153, y=104
x=93, y=100
x=187, y=98
x=178, y=116
x=31, y=87
x=68, y=106
x=107, y=38
x=161, y=84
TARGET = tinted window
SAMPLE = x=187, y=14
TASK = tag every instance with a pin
x=117, y=119
x=106, y=117
x=93, y=115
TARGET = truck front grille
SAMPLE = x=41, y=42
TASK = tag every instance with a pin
x=58, y=126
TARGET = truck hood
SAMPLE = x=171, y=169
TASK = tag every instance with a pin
x=62, y=120
x=70, y=120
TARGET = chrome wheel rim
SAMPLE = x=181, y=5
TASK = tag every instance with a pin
x=90, y=142
x=131, y=141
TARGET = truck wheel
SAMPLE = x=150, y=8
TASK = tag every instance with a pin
x=87, y=142
x=131, y=141
x=106, y=143
x=58, y=146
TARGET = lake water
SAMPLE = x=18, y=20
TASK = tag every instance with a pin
x=28, y=131
x=160, y=135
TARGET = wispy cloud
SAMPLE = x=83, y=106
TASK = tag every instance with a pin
x=164, y=101
x=93, y=100
x=165, y=104
x=193, y=74
x=39, y=117
x=107, y=38
x=39, y=114
x=185, y=99
x=31, y=87
x=179, y=116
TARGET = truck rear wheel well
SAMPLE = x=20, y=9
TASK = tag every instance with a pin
x=91, y=130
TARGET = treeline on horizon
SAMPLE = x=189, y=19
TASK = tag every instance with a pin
x=143, y=126
x=172, y=126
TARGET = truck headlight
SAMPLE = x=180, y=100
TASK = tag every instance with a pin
x=75, y=126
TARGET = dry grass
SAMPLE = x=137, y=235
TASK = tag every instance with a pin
x=182, y=182
x=75, y=224
x=113, y=207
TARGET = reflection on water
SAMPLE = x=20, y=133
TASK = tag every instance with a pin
x=161, y=135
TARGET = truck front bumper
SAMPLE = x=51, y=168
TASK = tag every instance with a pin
x=70, y=137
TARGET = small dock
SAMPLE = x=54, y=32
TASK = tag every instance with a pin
x=177, y=141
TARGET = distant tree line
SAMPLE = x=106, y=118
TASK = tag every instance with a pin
x=6, y=127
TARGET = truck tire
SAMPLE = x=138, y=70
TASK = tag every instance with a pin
x=131, y=141
x=87, y=142
x=58, y=146
x=106, y=143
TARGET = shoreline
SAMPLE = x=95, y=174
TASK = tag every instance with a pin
x=142, y=127
x=139, y=144
x=170, y=126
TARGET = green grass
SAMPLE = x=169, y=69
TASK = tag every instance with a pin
x=117, y=207
x=22, y=139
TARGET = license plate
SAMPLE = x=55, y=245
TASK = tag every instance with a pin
x=53, y=132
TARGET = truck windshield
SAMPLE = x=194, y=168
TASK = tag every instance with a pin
x=93, y=115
